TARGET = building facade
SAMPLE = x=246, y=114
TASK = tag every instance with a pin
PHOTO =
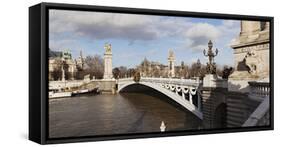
x=62, y=66
x=156, y=69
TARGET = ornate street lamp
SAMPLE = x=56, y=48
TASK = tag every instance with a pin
x=211, y=65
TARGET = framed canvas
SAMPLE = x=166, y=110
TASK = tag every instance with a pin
x=100, y=73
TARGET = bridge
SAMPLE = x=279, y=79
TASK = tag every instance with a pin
x=185, y=92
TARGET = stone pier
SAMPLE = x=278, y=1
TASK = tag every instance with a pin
x=107, y=84
x=251, y=55
x=213, y=102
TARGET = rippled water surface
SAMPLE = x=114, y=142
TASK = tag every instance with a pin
x=116, y=114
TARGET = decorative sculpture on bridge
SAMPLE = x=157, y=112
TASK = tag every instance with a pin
x=251, y=61
x=137, y=76
x=211, y=65
x=107, y=48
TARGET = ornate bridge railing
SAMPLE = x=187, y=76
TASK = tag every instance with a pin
x=187, y=89
x=55, y=85
x=259, y=90
x=187, y=82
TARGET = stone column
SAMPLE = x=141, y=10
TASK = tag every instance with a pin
x=107, y=62
x=72, y=72
x=62, y=74
x=171, y=64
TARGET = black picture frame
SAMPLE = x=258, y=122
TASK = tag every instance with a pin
x=38, y=71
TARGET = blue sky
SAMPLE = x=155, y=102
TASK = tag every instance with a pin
x=134, y=37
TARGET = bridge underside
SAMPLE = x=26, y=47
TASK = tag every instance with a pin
x=139, y=88
x=164, y=94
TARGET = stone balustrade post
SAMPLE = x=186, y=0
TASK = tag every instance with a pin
x=183, y=94
x=190, y=97
x=199, y=101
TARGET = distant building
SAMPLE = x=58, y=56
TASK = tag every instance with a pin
x=59, y=61
x=156, y=69
x=152, y=69
x=80, y=62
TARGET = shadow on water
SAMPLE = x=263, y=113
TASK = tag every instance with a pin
x=137, y=124
x=142, y=89
x=173, y=110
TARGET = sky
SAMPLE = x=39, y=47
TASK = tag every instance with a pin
x=135, y=37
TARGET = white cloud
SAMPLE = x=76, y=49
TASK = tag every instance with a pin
x=229, y=23
x=102, y=25
x=65, y=44
x=98, y=25
x=190, y=35
x=199, y=34
x=222, y=34
x=203, y=30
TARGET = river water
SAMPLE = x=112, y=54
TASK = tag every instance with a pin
x=123, y=113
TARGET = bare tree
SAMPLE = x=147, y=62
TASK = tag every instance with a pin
x=185, y=73
x=144, y=67
x=131, y=72
x=123, y=71
x=156, y=71
x=95, y=66
x=116, y=72
x=197, y=70
x=81, y=73
x=137, y=76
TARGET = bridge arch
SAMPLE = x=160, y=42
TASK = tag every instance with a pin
x=173, y=96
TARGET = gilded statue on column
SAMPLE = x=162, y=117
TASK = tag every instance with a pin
x=107, y=48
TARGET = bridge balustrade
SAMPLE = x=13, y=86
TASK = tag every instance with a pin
x=186, y=92
x=259, y=90
x=187, y=89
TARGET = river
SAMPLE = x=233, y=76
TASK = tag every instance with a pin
x=122, y=113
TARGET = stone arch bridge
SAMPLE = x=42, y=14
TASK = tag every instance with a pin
x=185, y=92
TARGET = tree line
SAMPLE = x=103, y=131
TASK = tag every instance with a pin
x=94, y=66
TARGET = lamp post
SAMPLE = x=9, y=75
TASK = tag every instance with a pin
x=211, y=65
